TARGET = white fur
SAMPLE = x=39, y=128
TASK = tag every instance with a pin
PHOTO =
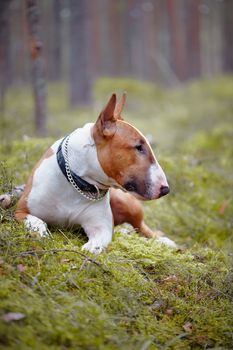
x=156, y=174
x=167, y=241
x=157, y=178
x=35, y=224
x=55, y=201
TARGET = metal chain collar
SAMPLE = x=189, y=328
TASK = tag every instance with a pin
x=100, y=194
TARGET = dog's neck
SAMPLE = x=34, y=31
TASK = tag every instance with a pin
x=83, y=159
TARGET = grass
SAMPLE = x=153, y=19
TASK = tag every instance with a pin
x=138, y=294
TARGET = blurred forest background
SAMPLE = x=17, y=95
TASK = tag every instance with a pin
x=59, y=62
x=166, y=42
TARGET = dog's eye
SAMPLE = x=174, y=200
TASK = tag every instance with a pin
x=139, y=148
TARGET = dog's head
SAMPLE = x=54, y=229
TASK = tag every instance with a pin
x=125, y=154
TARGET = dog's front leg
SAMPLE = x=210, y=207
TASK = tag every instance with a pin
x=99, y=236
x=36, y=225
x=99, y=229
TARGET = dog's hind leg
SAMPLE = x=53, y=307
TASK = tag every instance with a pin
x=147, y=232
x=159, y=235
x=7, y=200
x=126, y=208
x=32, y=223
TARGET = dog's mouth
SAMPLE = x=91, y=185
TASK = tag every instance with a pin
x=131, y=186
x=140, y=191
x=137, y=190
x=144, y=191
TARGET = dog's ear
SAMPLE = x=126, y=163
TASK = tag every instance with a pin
x=106, y=123
x=119, y=107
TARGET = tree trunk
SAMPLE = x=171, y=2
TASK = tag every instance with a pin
x=95, y=53
x=38, y=74
x=228, y=37
x=80, y=75
x=54, y=40
x=4, y=50
x=192, y=43
x=136, y=39
x=178, y=60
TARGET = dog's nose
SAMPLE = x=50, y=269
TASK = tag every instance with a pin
x=164, y=190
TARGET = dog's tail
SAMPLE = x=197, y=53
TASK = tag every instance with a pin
x=7, y=200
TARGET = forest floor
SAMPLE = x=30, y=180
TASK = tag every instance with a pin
x=138, y=294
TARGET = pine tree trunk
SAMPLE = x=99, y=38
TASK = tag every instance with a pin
x=228, y=37
x=193, y=38
x=38, y=74
x=80, y=74
x=54, y=42
x=4, y=50
x=178, y=60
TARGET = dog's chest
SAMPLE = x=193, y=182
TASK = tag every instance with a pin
x=52, y=198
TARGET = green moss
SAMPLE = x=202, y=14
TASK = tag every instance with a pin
x=138, y=294
x=122, y=303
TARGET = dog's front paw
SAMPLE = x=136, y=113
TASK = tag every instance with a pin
x=93, y=247
x=5, y=201
x=36, y=226
x=167, y=241
x=40, y=231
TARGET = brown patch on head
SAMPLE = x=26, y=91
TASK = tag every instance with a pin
x=22, y=209
x=126, y=157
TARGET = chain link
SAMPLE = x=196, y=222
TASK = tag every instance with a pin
x=88, y=195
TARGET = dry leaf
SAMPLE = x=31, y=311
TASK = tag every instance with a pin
x=222, y=208
x=169, y=312
x=171, y=278
x=13, y=316
x=188, y=327
x=21, y=267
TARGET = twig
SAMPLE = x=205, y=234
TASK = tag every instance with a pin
x=43, y=251
x=83, y=264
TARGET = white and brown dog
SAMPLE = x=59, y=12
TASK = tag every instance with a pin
x=70, y=185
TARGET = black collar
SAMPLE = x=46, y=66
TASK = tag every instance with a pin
x=82, y=184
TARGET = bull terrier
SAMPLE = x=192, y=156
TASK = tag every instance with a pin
x=94, y=177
